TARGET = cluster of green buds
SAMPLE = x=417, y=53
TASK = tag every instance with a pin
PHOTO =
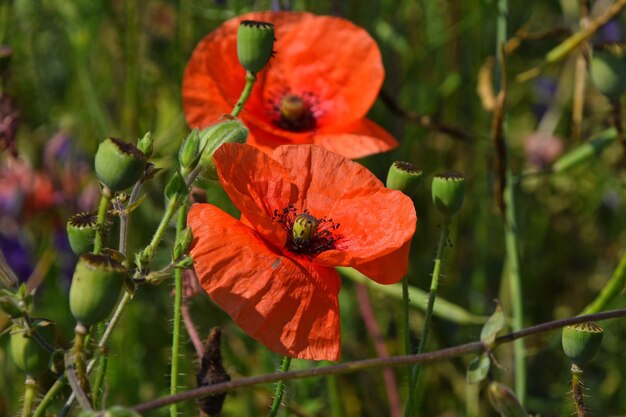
x=607, y=70
x=196, y=152
x=448, y=190
x=30, y=346
x=255, y=44
x=96, y=286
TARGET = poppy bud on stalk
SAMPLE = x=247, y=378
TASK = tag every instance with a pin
x=231, y=130
x=96, y=285
x=118, y=164
x=146, y=145
x=404, y=176
x=27, y=352
x=448, y=192
x=504, y=401
x=607, y=69
x=81, y=231
x=189, y=151
x=582, y=341
x=255, y=44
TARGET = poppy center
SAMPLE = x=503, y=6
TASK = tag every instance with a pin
x=307, y=235
x=295, y=113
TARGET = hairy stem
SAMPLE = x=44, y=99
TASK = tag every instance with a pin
x=280, y=388
x=30, y=388
x=577, y=391
x=247, y=89
x=105, y=198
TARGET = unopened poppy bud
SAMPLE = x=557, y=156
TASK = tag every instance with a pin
x=404, y=176
x=27, y=352
x=231, y=130
x=304, y=228
x=607, y=70
x=176, y=188
x=582, y=341
x=183, y=241
x=81, y=231
x=146, y=145
x=448, y=192
x=255, y=44
x=189, y=151
x=504, y=401
x=95, y=288
x=118, y=164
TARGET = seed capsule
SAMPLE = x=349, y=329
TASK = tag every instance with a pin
x=81, y=231
x=118, y=164
x=404, y=176
x=255, y=44
x=27, y=352
x=582, y=341
x=448, y=191
x=96, y=285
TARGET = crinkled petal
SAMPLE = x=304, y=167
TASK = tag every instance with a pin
x=257, y=185
x=373, y=223
x=289, y=305
x=362, y=139
x=322, y=177
x=388, y=269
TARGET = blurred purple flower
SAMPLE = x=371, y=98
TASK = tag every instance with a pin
x=544, y=89
x=542, y=149
x=610, y=32
x=17, y=256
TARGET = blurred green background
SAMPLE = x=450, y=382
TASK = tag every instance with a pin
x=82, y=70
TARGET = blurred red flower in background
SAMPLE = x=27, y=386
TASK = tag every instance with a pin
x=325, y=76
x=304, y=210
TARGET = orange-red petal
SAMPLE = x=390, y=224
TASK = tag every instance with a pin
x=321, y=176
x=288, y=305
x=257, y=185
x=388, y=269
x=374, y=222
x=359, y=140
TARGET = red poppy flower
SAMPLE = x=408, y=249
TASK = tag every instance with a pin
x=279, y=285
x=317, y=89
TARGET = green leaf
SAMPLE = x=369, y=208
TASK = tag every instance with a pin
x=478, y=369
x=493, y=326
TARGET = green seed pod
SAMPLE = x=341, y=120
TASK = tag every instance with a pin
x=404, y=176
x=146, y=145
x=118, y=164
x=189, y=151
x=607, y=70
x=504, y=401
x=448, y=191
x=27, y=352
x=304, y=228
x=231, y=130
x=255, y=44
x=582, y=341
x=81, y=231
x=96, y=285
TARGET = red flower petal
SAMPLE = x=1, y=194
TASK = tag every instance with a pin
x=374, y=223
x=321, y=176
x=289, y=305
x=364, y=138
x=257, y=185
x=388, y=269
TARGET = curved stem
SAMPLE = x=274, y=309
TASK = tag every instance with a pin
x=105, y=198
x=247, y=89
x=172, y=206
x=178, y=301
x=280, y=388
x=434, y=286
x=428, y=357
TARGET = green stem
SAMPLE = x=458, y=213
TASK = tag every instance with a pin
x=611, y=290
x=434, y=286
x=78, y=353
x=47, y=399
x=334, y=399
x=280, y=388
x=172, y=206
x=247, y=89
x=105, y=199
x=178, y=302
x=577, y=391
x=103, y=361
x=30, y=388
x=407, y=345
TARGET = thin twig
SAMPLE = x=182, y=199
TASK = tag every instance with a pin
x=429, y=357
